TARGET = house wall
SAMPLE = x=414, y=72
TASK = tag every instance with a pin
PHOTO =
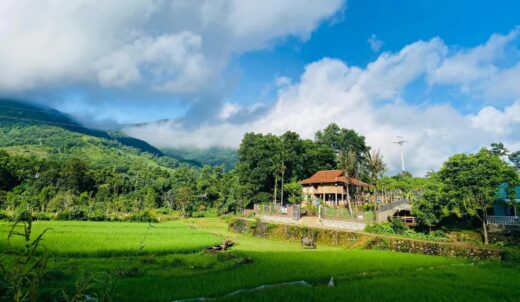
x=330, y=189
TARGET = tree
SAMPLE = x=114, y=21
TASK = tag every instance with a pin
x=259, y=163
x=74, y=176
x=185, y=201
x=515, y=159
x=430, y=208
x=498, y=149
x=8, y=179
x=470, y=183
x=347, y=161
x=344, y=141
x=376, y=167
x=294, y=191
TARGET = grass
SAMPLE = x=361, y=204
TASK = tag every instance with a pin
x=343, y=213
x=106, y=239
x=361, y=275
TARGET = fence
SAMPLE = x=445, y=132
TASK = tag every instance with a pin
x=504, y=220
x=344, y=214
x=293, y=211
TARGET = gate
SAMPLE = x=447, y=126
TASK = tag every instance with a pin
x=296, y=211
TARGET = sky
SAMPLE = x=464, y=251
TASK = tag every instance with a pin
x=200, y=73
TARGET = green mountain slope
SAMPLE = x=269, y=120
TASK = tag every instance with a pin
x=40, y=131
x=17, y=113
x=200, y=157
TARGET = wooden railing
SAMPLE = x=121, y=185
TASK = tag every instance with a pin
x=505, y=220
x=407, y=219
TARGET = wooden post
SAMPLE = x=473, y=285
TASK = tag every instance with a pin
x=275, y=186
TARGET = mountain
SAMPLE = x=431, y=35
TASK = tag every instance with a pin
x=13, y=112
x=27, y=128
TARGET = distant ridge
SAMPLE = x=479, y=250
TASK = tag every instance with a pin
x=17, y=112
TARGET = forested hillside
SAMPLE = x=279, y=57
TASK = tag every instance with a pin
x=16, y=113
x=200, y=157
x=51, y=163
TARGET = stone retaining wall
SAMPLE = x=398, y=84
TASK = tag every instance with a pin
x=352, y=239
x=509, y=234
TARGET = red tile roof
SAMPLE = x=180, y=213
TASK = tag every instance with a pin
x=332, y=176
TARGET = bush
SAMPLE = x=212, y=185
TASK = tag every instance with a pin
x=382, y=228
x=73, y=213
x=97, y=215
x=143, y=216
x=43, y=216
x=367, y=207
x=395, y=228
x=4, y=215
x=398, y=226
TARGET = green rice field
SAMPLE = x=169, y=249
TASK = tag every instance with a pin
x=171, y=266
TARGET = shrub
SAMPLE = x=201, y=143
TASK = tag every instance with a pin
x=97, y=215
x=43, y=216
x=367, y=207
x=398, y=226
x=73, y=213
x=143, y=216
x=381, y=228
x=4, y=215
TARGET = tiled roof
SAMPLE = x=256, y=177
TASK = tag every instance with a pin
x=332, y=176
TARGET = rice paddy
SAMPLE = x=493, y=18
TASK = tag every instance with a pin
x=174, y=267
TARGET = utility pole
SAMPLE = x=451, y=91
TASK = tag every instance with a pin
x=400, y=141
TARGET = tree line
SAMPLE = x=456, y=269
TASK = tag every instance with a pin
x=467, y=185
x=71, y=181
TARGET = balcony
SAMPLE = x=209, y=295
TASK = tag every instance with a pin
x=504, y=220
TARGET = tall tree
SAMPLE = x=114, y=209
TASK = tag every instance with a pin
x=470, y=183
x=430, y=208
x=259, y=162
x=515, y=159
x=376, y=167
x=343, y=141
x=347, y=162
x=8, y=179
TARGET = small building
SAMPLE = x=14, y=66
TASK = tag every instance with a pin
x=330, y=186
x=503, y=211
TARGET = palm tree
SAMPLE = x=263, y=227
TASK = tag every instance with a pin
x=348, y=163
x=375, y=166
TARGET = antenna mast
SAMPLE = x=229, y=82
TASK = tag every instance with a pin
x=400, y=141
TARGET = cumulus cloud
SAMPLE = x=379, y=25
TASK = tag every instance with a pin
x=481, y=71
x=370, y=100
x=174, y=46
x=498, y=122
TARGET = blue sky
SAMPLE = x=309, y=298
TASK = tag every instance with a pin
x=461, y=24
x=443, y=74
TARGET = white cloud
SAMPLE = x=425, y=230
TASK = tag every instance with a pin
x=174, y=46
x=478, y=71
x=369, y=100
x=375, y=43
x=498, y=122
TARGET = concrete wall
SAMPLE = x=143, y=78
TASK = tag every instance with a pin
x=278, y=218
x=343, y=224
